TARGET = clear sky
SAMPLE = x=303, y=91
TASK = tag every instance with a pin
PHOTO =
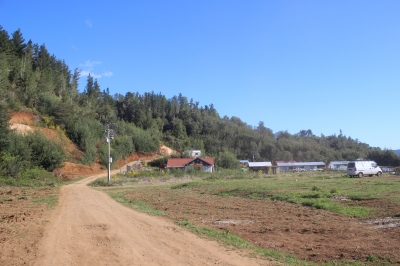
x=326, y=65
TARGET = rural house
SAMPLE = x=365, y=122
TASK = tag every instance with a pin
x=204, y=164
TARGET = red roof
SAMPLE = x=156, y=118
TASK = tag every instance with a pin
x=208, y=160
x=178, y=162
x=181, y=162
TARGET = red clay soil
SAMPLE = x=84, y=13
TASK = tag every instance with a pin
x=135, y=157
x=24, y=118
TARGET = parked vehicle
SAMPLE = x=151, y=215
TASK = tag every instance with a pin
x=361, y=168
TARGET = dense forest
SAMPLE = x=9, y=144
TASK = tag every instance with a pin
x=34, y=80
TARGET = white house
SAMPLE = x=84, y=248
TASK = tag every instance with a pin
x=193, y=153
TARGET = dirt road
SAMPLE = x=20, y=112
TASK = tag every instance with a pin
x=89, y=228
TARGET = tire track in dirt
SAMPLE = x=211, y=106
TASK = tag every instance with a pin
x=89, y=228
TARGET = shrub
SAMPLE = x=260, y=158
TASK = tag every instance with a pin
x=227, y=160
x=45, y=153
x=159, y=162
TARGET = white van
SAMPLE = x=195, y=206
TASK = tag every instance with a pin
x=361, y=168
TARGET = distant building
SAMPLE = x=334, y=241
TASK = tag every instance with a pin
x=244, y=162
x=204, y=164
x=388, y=169
x=193, y=153
x=299, y=166
x=338, y=165
x=257, y=166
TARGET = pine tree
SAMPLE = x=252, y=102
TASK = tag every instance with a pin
x=4, y=128
x=18, y=43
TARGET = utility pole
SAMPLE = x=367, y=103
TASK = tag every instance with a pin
x=110, y=136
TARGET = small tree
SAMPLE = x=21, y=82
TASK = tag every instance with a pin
x=227, y=160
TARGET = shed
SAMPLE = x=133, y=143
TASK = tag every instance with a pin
x=257, y=166
x=244, y=162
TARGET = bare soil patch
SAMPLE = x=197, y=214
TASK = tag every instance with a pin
x=22, y=223
x=167, y=151
x=309, y=234
x=72, y=170
x=89, y=228
x=135, y=157
x=24, y=118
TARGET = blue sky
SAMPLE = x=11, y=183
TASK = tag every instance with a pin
x=320, y=65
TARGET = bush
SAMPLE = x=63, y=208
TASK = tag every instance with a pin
x=32, y=178
x=45, y=153
x=100, y=182
x=159, y=162
x=227, y=160
x=86, y=132
x=32, y=150
x=12, y=165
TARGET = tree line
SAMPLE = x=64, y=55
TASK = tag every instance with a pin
x=33, y=80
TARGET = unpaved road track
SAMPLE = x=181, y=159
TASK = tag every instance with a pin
x=89, y=228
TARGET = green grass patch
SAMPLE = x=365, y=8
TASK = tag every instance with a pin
x=135, y=204
x=32, y=178
x=187, y=185
x=50, y=201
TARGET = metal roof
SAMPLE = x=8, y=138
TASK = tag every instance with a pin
x=260, y=164
x=302, y=164
x=339, y=162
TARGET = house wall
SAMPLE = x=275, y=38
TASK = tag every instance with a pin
x=207, y=168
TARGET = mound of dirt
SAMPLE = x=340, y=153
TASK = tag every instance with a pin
x=135, y=157
x=72, y=170
x=21, y=128
x=166, y=151
x=24, y=118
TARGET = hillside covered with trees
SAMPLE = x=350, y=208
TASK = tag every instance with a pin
x=34, y=80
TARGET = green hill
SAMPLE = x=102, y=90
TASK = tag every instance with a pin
x=33, y=80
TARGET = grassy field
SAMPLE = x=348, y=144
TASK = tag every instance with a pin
x=309, y=189
x=305, y=188
x=174, y=195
